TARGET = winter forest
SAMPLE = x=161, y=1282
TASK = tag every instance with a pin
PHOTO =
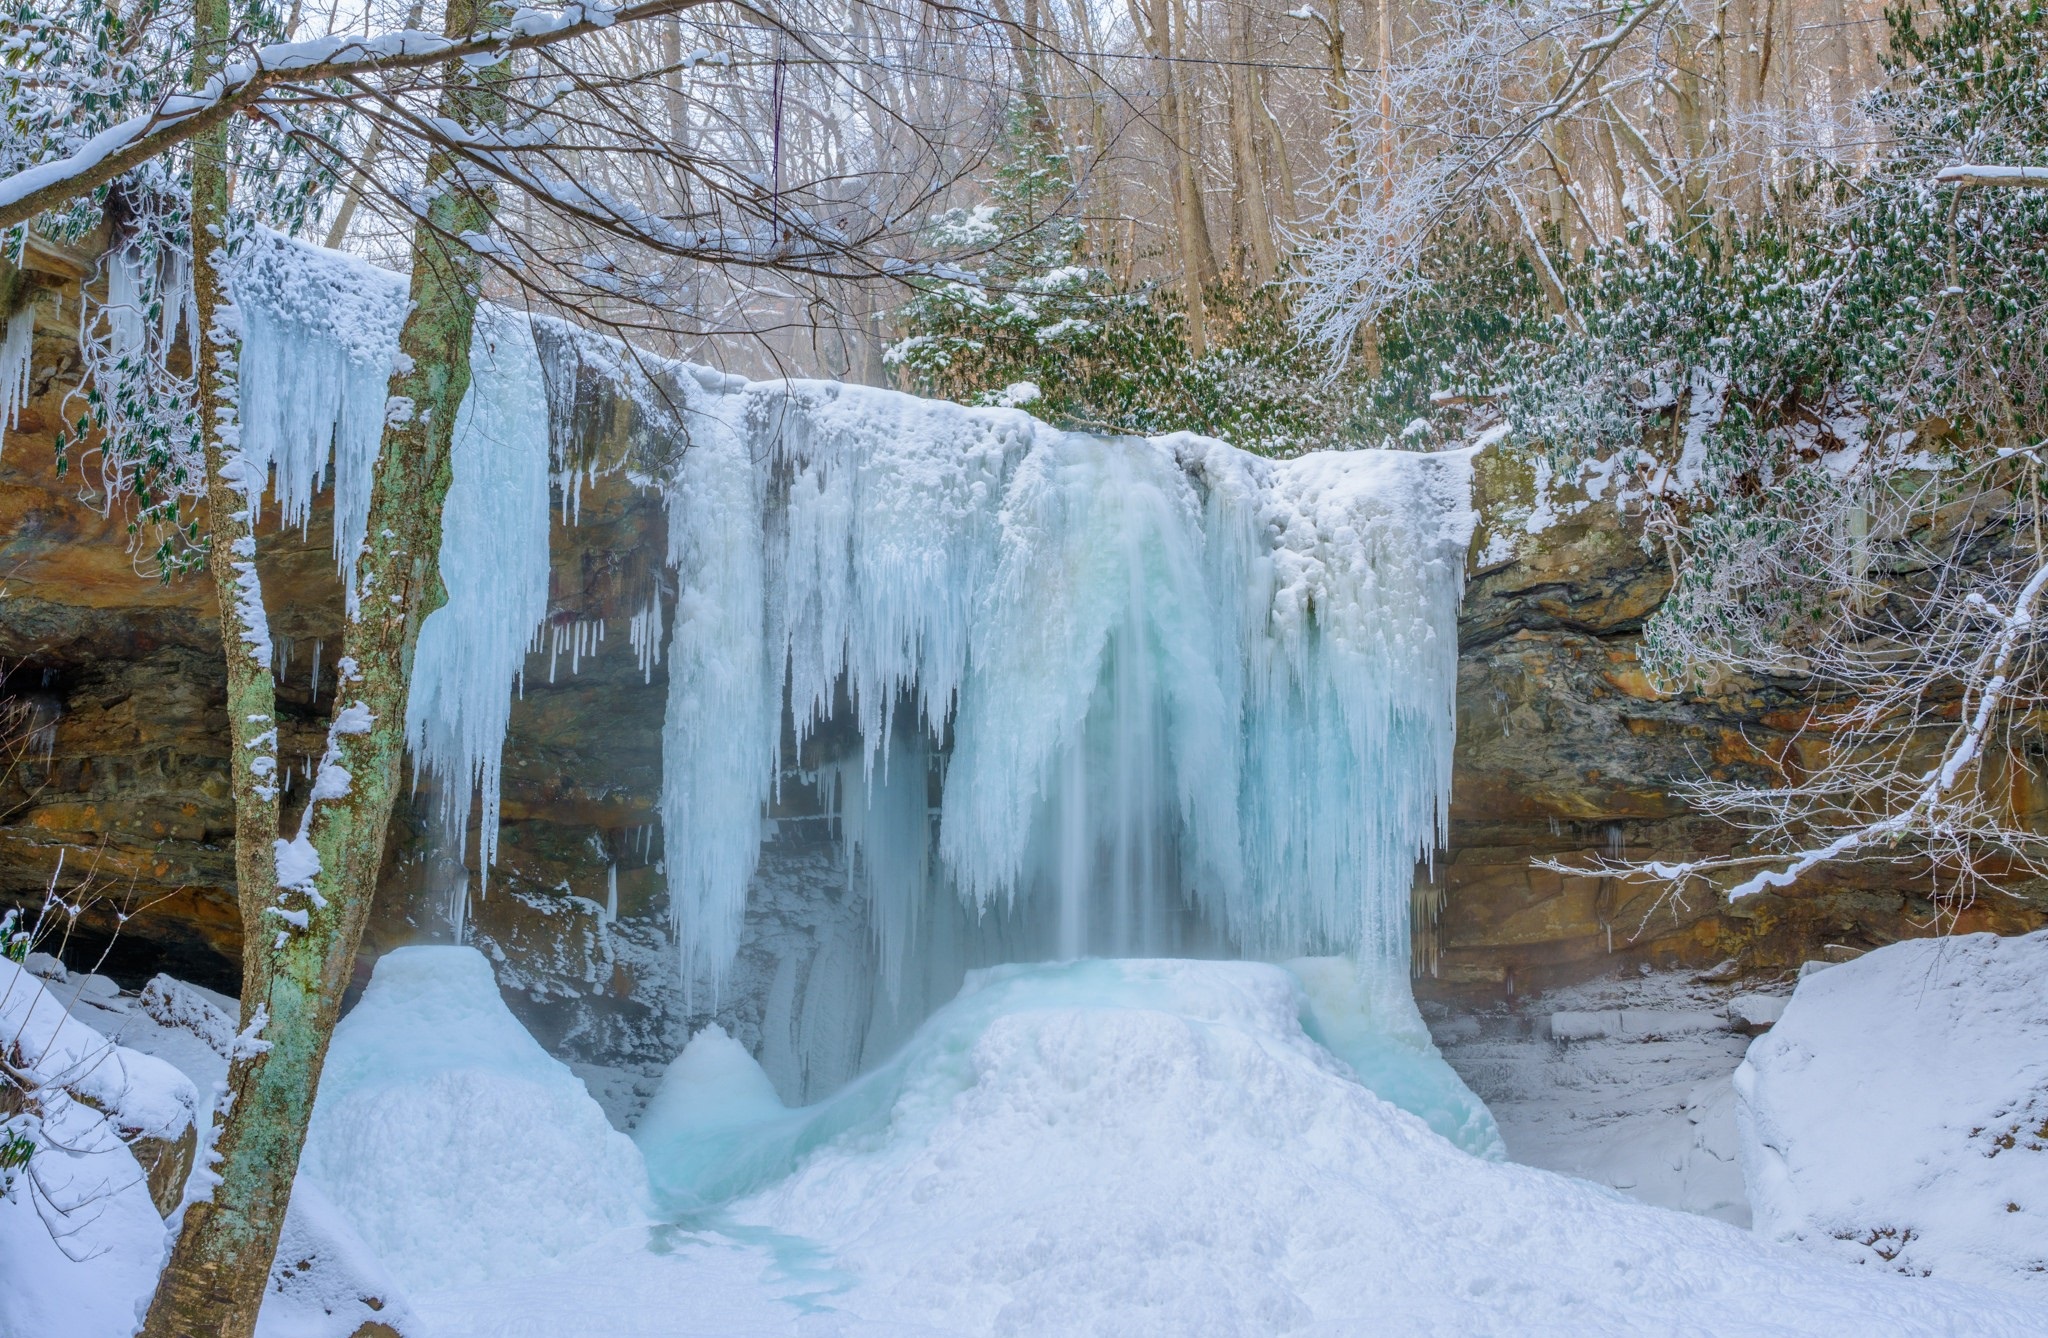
x=1134, y=668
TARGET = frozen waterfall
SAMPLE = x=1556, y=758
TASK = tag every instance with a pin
x=1114, y=697
x=1066, y=695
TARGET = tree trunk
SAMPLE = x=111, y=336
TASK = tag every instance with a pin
x=304, y=942
x=1248, y=199
x=1197, y=258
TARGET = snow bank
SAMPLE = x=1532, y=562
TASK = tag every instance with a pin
x=1897, y=1114
x=1137, y=1148
x=80, y=1239
x=456, y=1147
x=326, y=1282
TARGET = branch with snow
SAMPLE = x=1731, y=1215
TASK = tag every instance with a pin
x=302, y=67
x=1964, y=174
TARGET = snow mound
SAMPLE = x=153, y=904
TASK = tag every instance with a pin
x=1897, y=1114
x=1159, y=1147
x=80, y=1239
x=458, y=1149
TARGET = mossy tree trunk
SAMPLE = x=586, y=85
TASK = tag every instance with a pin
x=301, y=940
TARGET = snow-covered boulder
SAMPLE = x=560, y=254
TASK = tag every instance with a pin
x=455, y=1146
x=1755, y=1014
x=1897, y=1114
x=80, y=1235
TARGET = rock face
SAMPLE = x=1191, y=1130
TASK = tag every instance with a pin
x=1563, y=748
x=1566, y=752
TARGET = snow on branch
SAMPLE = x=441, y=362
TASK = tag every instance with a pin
x=245, y=84
x=1967, y=174
x=1923, y=710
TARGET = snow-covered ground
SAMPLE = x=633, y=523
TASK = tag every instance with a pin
x=1897, y=1116
x=1626, y=1082
x=1130, y=1149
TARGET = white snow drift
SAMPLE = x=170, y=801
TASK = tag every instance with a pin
x=1127, y=1148
x=459, y=1149
x=1897, y=1114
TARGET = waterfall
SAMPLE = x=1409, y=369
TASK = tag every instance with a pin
x=1065, y=695
x=1174, y=699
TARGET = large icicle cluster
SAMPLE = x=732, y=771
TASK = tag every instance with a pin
x=320, y=336
x=494, y=563
x=1112, y=696
x=1188, y=692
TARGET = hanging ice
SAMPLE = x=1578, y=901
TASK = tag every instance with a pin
x=320, y=338
x=17, y=347
x=319, y=333
x=494, y=564
x=1189, y=700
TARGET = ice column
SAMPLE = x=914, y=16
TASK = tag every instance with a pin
x=494, y=563
x=1195, y=700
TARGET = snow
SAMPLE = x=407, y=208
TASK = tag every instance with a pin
x=458, y=1149
x=1988, y=175
x=1128, y=1148
x=80, y=1239
x=142, y=1094
x=1140, y=1148
x=1893, y=1115
x=326, y=1282
x=1622, y=1081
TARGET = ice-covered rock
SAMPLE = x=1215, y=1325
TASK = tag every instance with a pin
x=1895, y=1114
x=1160, y=1147
x=455, y=1146
x=1138, y=1148
x=1631, y=1024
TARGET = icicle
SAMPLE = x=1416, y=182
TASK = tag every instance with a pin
x=17, y=349
x=494, y=563
x=319, y=339
x=316, y=670
x=611, y=893
x=1197, y=699
x=643, y=634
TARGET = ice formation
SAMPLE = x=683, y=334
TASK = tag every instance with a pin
x=320, y=340
x=17, y=347
x=1112, y=696
x=1183, y=700
x=494, y=563
x=1161, y=1148
x=319, y=333
x=458, y=1148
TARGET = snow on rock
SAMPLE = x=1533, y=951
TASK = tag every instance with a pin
x=325, y=1282
x=457, y=1148
x=1144, y=1148
x=1638, y=1098
x=1897, y=1114
x=1753, y=1014
x=1618, y=1023
x=143, y=1095
x=80, y=1239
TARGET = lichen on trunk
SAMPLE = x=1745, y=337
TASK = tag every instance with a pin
x=303, y=930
